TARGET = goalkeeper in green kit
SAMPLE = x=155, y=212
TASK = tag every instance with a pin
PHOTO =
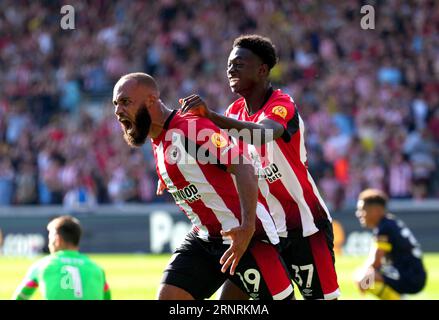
x=65, y=274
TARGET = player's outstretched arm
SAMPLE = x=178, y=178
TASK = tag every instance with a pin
x=29, y=284
x=259, y=133
x=25, y=290
x=107, y=292
x=241, y=236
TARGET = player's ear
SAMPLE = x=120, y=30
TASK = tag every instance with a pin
x=264, y=70
x=151, y=100
x=58, y=242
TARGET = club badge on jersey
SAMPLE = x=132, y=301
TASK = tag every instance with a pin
x=280, y=111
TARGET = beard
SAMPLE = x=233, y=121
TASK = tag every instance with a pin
x=137, y=134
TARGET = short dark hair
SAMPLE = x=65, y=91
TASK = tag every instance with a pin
x=373, y=196
x=260, y=46
x=68, y=228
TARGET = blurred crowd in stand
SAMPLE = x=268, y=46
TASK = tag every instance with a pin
x=369, y=98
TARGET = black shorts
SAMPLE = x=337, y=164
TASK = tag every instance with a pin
x=404, y=280
x=195, y=267
x=311, y=263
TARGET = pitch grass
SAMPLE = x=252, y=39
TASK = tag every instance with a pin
x=136, y=277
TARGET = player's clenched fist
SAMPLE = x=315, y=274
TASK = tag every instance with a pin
x=196, y=105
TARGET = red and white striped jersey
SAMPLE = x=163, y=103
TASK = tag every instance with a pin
x=192, y=156
x=285, y=183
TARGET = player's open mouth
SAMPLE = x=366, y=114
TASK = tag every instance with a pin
x=233, y=80
x=126, y=123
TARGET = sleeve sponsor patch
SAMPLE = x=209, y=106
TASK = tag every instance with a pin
x=218, y=140
x=280, y=111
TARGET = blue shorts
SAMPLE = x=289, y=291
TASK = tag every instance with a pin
x=404, y=280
